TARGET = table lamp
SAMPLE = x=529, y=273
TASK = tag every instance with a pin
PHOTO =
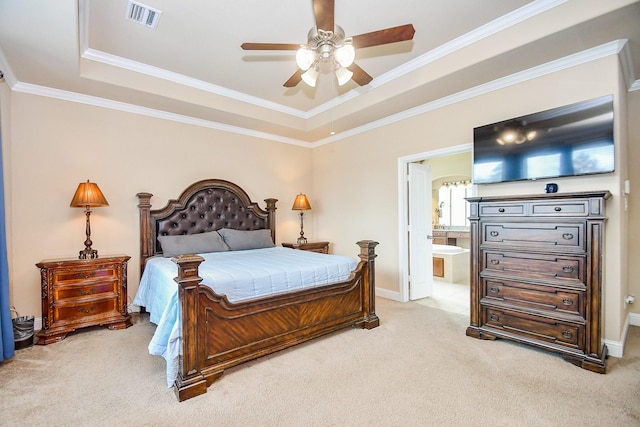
x=301, y=204
x=88, y=195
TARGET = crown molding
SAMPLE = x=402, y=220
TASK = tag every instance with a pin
x=513, y=18
x=589, y=55
x=616, y=47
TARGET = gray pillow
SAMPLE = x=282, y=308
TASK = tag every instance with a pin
x=192, y=244
x=239, y=240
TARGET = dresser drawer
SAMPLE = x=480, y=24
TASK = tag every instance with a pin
x=439, y=233
x=458, y=235
x=84, y=290
x=66, y=276
x=502, y=209
x=536, y=266
x=85, y=310
x=538, y=328
x=558, y=236
x=558, y=208
x=534, y=297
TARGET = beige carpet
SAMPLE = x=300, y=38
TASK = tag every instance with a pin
x=418, y=368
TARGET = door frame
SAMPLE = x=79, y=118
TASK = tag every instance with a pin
x=403, y=209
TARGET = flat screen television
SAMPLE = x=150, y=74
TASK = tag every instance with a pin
x=573, y=140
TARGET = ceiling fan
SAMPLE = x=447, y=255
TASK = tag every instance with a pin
x=327, y=44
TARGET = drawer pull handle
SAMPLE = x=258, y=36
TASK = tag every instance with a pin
x=85, y=275
x=494, y=290
x=494, y=234
x=567, y=269
x=501, y=210
x=495, y=262
x=567, y=334
x=567, y=301
x=88, y=310
x=567, y=236
x=557, y=209
x=494, y=317
x=89, y=291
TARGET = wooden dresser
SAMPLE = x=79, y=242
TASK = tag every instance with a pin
x=536, y=272
x=77, y=293
x=322, y=247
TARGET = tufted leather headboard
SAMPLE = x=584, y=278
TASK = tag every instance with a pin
x=206, y=205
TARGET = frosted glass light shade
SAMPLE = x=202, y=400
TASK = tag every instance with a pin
x=345, y=55
x=310, y=77
x=343, y=75
x=305, y=57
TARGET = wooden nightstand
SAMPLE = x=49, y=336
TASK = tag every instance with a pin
x=77, y=293
x=322, y=247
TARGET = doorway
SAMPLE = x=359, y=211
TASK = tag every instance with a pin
x=446, y=294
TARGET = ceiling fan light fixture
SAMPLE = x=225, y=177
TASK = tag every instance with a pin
x=343, y=75
x=305, y=57
x=310, y=76
x=345, y=54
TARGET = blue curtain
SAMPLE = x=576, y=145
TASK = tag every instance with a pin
x=7, y=345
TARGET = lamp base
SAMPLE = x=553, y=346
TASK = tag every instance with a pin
x=88, y=253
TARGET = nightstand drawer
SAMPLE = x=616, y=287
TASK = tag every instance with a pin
x=86, y=310
x=84, y=290
x=64, y=276
x=540, y=298
x=550, y=236
x=548, y=330
x=532, y=265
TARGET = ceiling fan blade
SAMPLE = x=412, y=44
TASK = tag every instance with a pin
x=360, y=76
x=388, y=35
x=295, y=79
x=323, y=10
x=270, y=46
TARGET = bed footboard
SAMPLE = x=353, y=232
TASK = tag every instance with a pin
x=218, y=334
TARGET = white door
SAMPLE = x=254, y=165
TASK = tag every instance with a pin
x=420, y=249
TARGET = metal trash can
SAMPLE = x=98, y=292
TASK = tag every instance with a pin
x=22, y=331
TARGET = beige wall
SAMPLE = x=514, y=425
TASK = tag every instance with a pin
x=368, y=189
x=54, y=145
x=50, y=146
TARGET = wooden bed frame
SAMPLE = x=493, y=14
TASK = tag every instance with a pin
x=218, y=334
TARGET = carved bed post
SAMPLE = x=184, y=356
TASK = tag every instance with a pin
x=271, y=219
x=190, y=381
x=146, y=241
x=368, y=255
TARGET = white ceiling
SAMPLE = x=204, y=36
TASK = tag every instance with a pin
x=191, y=67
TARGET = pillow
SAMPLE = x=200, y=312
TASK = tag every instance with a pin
x=239, y=240
x=192, y=244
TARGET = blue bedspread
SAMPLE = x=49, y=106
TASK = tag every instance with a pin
x=240, y=275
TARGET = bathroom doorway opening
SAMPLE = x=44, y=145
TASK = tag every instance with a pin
x=451, y=281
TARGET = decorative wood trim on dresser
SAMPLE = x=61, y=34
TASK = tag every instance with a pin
x=536, y=272
x=77, y=293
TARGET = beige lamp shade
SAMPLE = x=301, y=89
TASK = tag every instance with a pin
x=301, y=203
x=88, y=194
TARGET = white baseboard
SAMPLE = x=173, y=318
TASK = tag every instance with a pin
x=386, y=293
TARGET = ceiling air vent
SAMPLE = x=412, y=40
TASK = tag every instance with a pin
x=145, y=15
